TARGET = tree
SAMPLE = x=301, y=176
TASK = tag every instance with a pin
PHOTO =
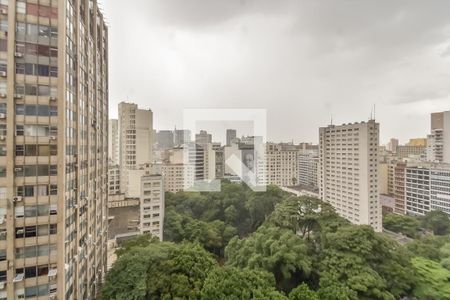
x=433, y=280
x=162, y=271
x=142, y=240
x=367, y=263
x=275, y=250
x=445, y=256
x=428, y=246
x=437, y=221
x=406, y=225
x=228, y=283
x=304, y=215
x=302, y=292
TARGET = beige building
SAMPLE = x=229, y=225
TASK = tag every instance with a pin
x=439, y=139
x=407, y=151
x=282, y=164
x=421, y=142
x=53, y=149
x=113, y=179
x=348, y=171
x=135, y=140
x=113, y=141
x=152, y=205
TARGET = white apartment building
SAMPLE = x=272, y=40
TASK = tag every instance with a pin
x=152, y=205
x=308, y=164
x=417, y=190
x=427, y=188
x=348, y=171
x=438, y=142
x=135, y=140
x=113, y=141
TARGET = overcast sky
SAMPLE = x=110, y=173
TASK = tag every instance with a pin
x=300, y=60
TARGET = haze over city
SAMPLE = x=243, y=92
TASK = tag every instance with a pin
x=301, y=60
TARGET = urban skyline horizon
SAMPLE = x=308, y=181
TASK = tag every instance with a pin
x=220, y=135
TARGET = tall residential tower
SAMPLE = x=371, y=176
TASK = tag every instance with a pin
x=348, y=171
x=53, y=149
x=135, y=140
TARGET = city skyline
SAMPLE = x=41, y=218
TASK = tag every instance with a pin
x=248, y=54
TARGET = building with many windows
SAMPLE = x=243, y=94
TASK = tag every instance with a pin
x=53, y=149
x=438, y=142
x=348, y=171
x=152, y=205
x=135, y=140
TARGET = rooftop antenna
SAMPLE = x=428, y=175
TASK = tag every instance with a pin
x=372, y=113
x=331, y=119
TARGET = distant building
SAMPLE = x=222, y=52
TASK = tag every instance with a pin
x=282, y=164
x=203, y=138
x=427, y=188
x=164, y=139
x=231, y=136
x=348, y=171
x=307, y=169
x=135, y=140
x=181, y=137
x=411, y=151
x=439, y=139
x=421, y=142
x=113, y=141
x=392, y=145
x=113, y=179
x=152, y=205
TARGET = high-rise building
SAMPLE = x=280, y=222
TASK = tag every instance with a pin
x=135, y=140
x=348, y=171
x=399, y=185
x=165, y=139
x=203, y=138
x=152, y=205
x=53, y=148
x=181, y=137
x=392, y=145
x=439, y=139
x=231, y=136
x=113, y=141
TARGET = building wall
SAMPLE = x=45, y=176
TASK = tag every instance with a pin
x=348, y=171
x=417, y=192
x=135, y=140
x=56, y=158
x=113, y=141
x=152, y=205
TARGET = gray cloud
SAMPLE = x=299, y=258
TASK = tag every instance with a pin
x=301, y=60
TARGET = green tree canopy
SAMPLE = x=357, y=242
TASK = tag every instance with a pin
x=142, y=240
x=437, y=221
x=275, y=250
x=406, y=225
x=162, y=271
x=367, y=263
x=433, y=280
x=228, y=283
x=302, y=292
